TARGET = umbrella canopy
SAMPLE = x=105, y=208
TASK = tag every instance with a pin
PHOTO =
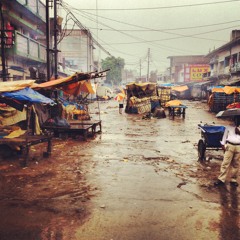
x=120, y=97
x=229, y=113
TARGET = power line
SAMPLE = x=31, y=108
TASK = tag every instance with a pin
x=166, y=7
x=169, y=29
x=82, y=27
x=128, y=24
x=85, y=15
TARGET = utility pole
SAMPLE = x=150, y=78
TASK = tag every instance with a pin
x=47, y=40
x=148, y=65
x=55, y=39
x=4, y=70
x=140, y=75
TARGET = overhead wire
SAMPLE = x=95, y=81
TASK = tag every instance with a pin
x=86, y=15
x=146, y=28
x=141, y=40
x=165, y=7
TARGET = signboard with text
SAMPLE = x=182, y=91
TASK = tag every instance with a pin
x=195, y=72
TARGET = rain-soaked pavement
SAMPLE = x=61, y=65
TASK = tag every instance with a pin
x=138, y=180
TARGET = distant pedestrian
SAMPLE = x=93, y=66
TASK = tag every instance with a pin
x=231, y=146
x=121, y=106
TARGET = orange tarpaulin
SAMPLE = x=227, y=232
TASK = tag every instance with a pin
x=75, y=88
x=233, y=105
x=53, y=83
x=72, y=88
x=180, y=88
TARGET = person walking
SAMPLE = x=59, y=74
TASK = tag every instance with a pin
x=231, y=146
x=121, y=106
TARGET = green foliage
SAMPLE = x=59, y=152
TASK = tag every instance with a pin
x=116, y=65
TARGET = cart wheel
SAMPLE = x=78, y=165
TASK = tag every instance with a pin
x=201, y=150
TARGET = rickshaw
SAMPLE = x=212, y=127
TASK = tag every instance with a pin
x=211, y=135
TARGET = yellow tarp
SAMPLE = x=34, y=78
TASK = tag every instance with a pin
x=173, y=103
x=143, y=86
x=227, y=89
x=15, y=85
x=53, y=83
x=180, y=88
x=18, y=132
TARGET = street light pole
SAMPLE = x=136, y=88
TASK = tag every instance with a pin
x=55, y=40
x=148, y=65
x=47, y=40
x=4, y=71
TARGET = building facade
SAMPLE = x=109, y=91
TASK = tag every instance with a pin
x=23, y=29
x=188, y=68
x=225, y=61
x=77, y=50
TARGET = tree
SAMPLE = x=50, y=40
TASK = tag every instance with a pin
x=116, y=65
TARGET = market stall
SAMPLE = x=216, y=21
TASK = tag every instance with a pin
x=20, y=137
x=141, y=97
x=221, y=97
x=77, y=117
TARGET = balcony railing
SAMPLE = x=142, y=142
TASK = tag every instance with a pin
x=214, y=60
x=35, y=6
x=235, y=68
x=29, y=48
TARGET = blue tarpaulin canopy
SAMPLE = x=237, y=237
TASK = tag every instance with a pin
x=18, y=98
x=27, y=95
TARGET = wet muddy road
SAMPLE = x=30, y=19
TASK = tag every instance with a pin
x=139, y=179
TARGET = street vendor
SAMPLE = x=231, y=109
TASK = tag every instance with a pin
x=231, y=146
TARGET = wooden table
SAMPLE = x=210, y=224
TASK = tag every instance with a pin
x=177, y=110
x=94, y=123
x=25, y=142
x=74, y=129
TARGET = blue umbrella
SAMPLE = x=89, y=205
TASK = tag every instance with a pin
x=27, y=95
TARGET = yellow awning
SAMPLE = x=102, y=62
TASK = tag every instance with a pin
x=15, y=85
x=227, y=90
x=180, y=88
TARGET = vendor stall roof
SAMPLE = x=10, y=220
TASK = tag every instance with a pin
x=77, y=77
x=17, y=99
x=142, y=86
x=180, y=88
x=227, y=89
x=15, y=85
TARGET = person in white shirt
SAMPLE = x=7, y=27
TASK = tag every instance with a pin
x=230, y=165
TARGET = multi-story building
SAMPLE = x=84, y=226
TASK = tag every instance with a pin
x=187, y=68
x=23, y=28
x=77, y=50
x=225, y=61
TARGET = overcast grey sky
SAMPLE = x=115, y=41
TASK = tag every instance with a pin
x=127, y=28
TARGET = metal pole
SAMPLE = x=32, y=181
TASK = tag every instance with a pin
x=148, y=65
x=140, y=69
x=47, y=40
x=4, y=72
x=55, y=41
